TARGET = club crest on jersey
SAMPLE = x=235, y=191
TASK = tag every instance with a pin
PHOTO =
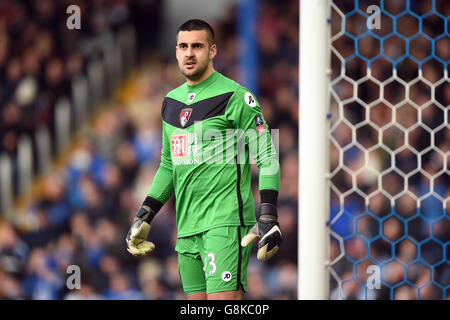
x=185, y=115
x=190, y=97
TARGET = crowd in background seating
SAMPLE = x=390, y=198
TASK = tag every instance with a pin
x=83, y=213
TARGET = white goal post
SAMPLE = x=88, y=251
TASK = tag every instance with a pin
x=313, y=149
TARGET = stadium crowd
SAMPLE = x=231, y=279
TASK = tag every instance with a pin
x=404, y=224
x=83, y=212
x=40, y=56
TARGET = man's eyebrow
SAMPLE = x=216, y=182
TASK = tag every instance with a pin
x=193, y=43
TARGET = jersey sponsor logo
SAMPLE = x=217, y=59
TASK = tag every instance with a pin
x=260, y=127
x=179, y=145
x=249, y=99
x=190, y=97
x=185, y=115
x=184, y=148
x=226, y=276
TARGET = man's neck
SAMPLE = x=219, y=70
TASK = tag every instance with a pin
x=204, y=76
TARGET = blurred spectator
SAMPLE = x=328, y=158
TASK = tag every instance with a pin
x=120, y=289
x=41, y=281
x=10, y=288
x=13, y=250
x=86, y=292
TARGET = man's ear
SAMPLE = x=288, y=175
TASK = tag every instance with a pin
x=212, y=51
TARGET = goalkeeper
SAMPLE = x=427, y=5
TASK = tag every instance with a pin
x=211, y=125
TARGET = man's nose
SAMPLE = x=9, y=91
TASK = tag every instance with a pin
x=189, y=52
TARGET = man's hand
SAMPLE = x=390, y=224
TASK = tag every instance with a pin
x=137, y=235
x=268, y=230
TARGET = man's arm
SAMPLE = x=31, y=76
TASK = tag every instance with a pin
x=246, y=114
x=161, y=188
x=159, y=193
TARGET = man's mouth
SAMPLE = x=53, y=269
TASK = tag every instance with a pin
x=190, y=64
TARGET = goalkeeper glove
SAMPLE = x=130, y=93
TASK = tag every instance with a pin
x=268, y=230
x=137, y=235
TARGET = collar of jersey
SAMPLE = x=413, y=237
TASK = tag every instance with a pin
x=205, y=82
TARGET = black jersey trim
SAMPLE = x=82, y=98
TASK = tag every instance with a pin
x=238, y=190
x=239, y=280
x=201, y=110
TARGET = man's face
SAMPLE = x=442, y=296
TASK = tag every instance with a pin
x=194, y=54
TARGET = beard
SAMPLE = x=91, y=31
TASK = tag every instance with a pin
x=195, y=74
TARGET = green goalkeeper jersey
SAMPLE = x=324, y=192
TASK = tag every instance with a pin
x=210, y=130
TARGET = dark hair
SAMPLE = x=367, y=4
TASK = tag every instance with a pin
x=197, y=24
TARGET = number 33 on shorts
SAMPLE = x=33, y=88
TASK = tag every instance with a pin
x=210, y=265
x=210, y=268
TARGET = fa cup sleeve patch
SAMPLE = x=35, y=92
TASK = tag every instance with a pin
x=260, y=127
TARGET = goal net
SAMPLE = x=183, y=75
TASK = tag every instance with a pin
x=389, y=150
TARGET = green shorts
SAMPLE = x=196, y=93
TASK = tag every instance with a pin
x=214, y=260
